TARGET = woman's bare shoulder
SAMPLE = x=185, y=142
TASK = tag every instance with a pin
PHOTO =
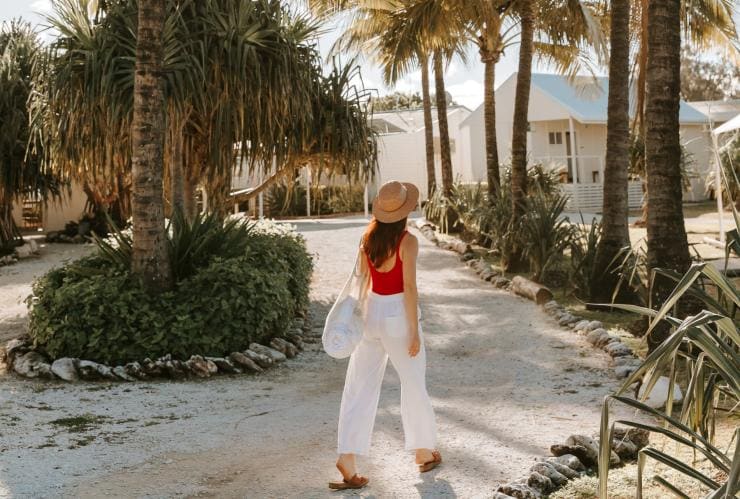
x=409, y=242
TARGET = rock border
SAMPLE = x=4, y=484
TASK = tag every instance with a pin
x=576, y=457
x=26, y=362
x=28, y=249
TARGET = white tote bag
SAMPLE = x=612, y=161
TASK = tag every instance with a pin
x=343, y=327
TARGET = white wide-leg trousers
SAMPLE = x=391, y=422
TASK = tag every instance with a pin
x=385, y=335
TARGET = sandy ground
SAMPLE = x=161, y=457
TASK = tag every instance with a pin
x=16, y=280
x=506, y=383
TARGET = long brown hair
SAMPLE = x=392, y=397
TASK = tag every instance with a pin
x=380, y=240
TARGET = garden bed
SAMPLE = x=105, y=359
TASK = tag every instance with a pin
x=238, y=285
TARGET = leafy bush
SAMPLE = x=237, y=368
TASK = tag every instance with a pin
x=706, y=345
x=94, y=308
x=545, y=233
x=583, y=247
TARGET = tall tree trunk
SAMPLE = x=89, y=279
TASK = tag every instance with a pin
x=150, y=260
x=428, y=130
x=521, y=124
x=8, y=231
x=614, y=223
x=489, y=44
x=667, y=244
x=444, y=134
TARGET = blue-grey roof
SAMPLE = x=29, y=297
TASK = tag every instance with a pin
x=587, y=97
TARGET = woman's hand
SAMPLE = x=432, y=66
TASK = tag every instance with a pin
x=414, y=345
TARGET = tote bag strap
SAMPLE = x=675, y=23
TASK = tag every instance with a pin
x=354, y=274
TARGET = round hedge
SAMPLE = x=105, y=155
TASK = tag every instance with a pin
x=95, y=310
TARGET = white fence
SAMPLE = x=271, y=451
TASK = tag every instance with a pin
x=590, y=197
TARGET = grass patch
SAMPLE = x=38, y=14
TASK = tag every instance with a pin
x=81, y=423
x=610, y=319
x=82, y=442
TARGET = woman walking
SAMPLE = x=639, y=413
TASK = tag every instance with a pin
x=392, y=329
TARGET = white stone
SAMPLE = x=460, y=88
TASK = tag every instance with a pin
x=659, y=394
x=65, y=369
x=24, y=251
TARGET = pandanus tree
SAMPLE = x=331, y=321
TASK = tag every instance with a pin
x=241, y=81
x=21, y=174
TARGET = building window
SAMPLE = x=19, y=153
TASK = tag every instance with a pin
x=555, y=138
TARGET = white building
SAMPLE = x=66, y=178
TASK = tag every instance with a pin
x=567, y=132
x=402, y=152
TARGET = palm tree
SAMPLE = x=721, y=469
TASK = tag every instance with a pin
x=149, y=259
x=444, y=133
x=521, y=124
x=667, y=245
x=614, y=226
x=486, y=21
x=428, y=131
x=401, y=34
x=564, y=30
x=20, y=171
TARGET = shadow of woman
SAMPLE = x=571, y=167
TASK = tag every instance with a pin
x=431, y=486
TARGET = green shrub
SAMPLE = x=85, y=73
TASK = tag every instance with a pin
x=95, y=309
x=545, y=233
x=583, y=255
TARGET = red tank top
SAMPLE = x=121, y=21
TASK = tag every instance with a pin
x=391, y=282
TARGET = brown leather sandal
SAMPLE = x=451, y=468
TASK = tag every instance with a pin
x=356, y=482
x=430, y=465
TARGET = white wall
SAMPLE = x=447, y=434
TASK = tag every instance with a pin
x=697, y=141
x=56, y=213
x=402, y=156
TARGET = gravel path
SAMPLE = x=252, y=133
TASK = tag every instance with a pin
x=16, y=280
x=506, y=383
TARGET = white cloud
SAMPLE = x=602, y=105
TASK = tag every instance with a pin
x=452, y=70
x=469, y=93
x=41, y=6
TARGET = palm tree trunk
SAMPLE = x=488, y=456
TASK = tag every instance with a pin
x=489, y=118
x=149, y=259
x=489, y=44
x=444, y=134
x=521, y=124
x=8, y=230
x=667, y=246
x=614, y=224
x=428, y=130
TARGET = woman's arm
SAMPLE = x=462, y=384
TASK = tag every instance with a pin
x=364, y=275
x=409, y=251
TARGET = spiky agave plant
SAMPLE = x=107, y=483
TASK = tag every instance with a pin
x=706, y=346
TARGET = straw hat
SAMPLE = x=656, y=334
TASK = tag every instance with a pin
x=395, y=200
